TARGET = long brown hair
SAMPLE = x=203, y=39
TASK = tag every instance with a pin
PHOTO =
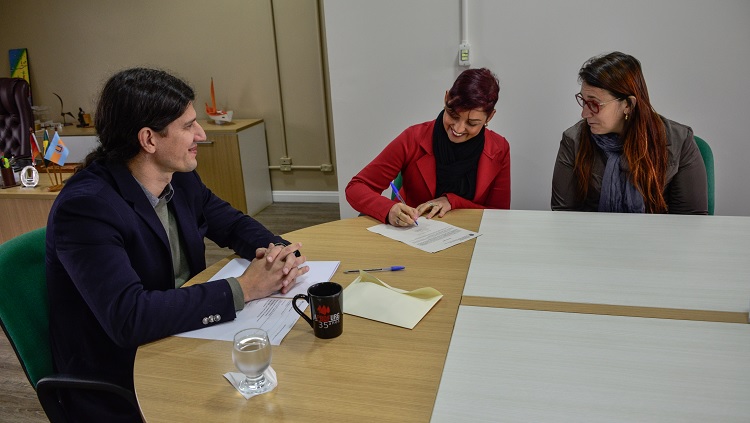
x=644, y=135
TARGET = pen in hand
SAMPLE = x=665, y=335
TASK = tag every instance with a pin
x=398, y=195
x=379, y=269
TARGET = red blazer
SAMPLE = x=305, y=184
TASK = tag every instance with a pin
x=411, y=154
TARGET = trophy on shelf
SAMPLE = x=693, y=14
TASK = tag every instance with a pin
x=219, y=117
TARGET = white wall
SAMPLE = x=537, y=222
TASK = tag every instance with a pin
x=390, y=63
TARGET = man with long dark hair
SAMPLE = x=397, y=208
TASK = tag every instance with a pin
x=127, y=230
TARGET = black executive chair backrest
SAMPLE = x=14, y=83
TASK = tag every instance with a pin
x=16, y=117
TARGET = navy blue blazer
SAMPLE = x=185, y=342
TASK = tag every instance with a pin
x=109, y=270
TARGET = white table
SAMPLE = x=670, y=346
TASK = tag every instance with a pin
x=687, y=267
x=532, y=366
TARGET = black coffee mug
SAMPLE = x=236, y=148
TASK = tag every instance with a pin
x=326, y=301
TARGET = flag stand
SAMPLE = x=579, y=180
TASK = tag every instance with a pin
x=57, y=182
x=51, y=182
x=54, y=156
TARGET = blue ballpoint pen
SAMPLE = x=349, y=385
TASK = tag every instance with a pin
x=398, y=195
x=380, y=269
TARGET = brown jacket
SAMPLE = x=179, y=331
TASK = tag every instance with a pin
x=685, y=191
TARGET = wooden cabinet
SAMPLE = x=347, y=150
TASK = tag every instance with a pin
x=233, y=163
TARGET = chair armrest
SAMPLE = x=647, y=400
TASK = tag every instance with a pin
x=47, y=389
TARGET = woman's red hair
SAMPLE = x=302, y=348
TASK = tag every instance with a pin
x=474, y=89
x=644, y=135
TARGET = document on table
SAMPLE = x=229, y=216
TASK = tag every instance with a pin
x=432, y=235
x=373, y=299
x=275, y=315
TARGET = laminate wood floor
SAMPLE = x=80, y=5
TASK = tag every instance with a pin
x=18, y=402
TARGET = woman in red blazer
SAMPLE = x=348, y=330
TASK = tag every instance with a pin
x=453, y=162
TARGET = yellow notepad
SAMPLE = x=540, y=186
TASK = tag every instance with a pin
x=371, y=298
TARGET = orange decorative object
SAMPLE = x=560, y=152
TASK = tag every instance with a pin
x=218, y=116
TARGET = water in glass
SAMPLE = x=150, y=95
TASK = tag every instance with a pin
x=252, y=356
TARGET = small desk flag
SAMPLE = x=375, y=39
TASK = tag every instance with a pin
x=45, y=142
x=57, y=152
x=34, y=147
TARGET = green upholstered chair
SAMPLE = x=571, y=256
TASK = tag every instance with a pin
x=24, y=316
x=708, y=160
x=397, y=182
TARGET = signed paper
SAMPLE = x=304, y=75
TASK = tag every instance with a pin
x=432, y=235
x=371, y=298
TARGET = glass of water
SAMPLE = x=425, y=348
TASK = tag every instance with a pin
x=251, y=354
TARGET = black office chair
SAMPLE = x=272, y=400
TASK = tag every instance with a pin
x=16, y=118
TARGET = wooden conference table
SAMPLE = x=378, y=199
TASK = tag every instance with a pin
x=505, y=362
x=372, y=372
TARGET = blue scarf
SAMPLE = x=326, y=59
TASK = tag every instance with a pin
x=618, y=195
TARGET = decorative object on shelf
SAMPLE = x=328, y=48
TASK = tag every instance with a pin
x=41, y=114
x=219, y=117
x=63, y=113
x=84, y=119
x=29, y=177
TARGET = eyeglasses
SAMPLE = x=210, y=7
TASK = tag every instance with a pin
x=592, y=105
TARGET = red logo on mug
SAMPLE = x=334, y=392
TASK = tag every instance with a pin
x=323, y=311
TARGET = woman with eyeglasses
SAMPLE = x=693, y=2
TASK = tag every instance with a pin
x=452, y=162
x=622, y=156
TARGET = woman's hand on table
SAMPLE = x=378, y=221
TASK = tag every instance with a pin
x=439, y=206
